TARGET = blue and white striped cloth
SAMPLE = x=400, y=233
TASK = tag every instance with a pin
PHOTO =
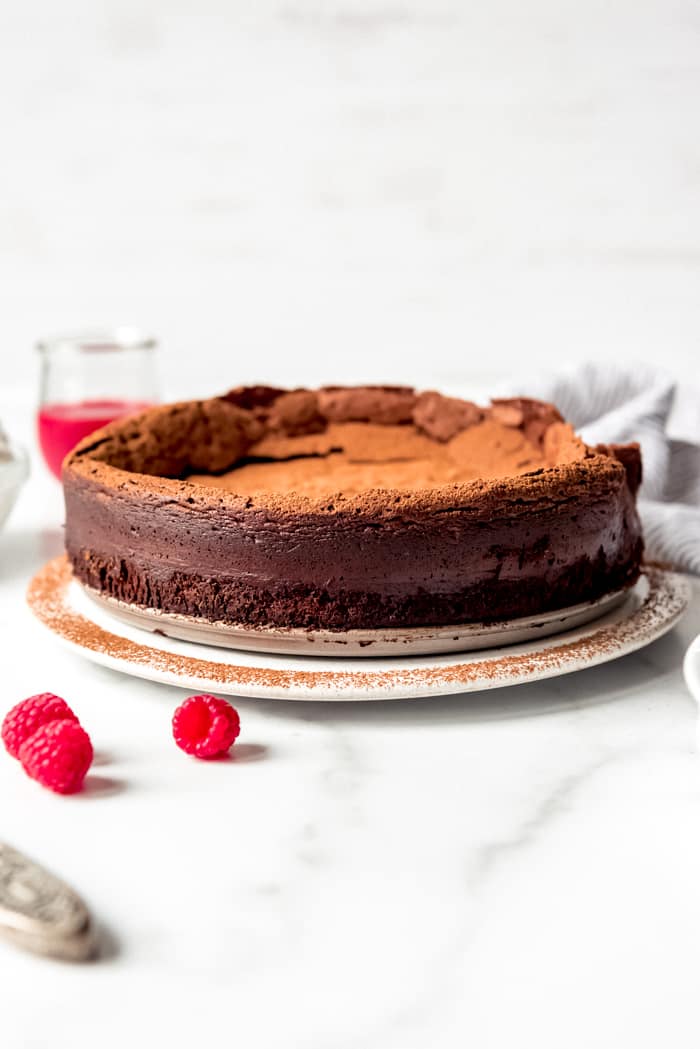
x=614, y=405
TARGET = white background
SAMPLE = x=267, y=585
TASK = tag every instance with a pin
x=300, y=190
x=434, y=192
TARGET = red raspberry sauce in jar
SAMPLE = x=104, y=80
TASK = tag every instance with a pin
x=61, y=426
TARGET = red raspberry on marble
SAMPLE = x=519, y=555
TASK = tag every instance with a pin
x=205, y=726
x=26, y=717
x=58, y=756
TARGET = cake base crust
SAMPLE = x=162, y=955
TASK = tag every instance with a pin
x=363, y=643
x=221, y=600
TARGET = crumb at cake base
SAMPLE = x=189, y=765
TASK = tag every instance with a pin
x=351, y=508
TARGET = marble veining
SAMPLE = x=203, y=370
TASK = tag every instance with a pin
x=552, y=806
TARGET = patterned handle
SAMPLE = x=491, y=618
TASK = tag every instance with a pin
x=39, y=911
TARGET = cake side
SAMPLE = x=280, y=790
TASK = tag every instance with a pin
x=489, y=549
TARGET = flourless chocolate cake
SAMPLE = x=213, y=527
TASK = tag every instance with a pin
x=351, y=507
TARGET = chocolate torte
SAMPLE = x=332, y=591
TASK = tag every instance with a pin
x=351, y=507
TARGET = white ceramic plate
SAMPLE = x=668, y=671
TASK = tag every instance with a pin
x=648, y=611
x=691, y=668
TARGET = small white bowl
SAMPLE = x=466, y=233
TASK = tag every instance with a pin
x=691, y=668
x=13, y=473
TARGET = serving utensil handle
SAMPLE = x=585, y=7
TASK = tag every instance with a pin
x=39, y=912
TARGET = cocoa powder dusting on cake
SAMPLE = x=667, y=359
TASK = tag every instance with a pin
x=298, y=451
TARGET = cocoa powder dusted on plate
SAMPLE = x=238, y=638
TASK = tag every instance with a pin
x=660, y=608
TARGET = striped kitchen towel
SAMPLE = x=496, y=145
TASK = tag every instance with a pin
x=608, y=405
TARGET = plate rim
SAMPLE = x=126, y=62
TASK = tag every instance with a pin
x=667, y=598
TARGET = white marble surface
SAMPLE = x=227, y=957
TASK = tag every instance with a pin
x=352, y=189
x=520, y=867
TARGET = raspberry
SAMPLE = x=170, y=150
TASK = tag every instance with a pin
x=26, y=717
x=58, y=756
x=205, y=726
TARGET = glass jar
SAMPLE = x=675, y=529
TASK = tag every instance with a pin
x=89, y=379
